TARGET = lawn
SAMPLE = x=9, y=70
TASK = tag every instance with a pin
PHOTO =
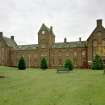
x=37, y=87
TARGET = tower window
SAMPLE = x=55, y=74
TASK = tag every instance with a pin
x=43, y=32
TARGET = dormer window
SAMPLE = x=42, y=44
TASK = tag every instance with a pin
x=43, y=32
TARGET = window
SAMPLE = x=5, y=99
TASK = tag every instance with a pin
x=83, y=53
x=60, y=61
x=43, y=46
x=75, y=54
x=43, y=32
x=103, y=42
x=75, y=61
x=43, y=55
x=59, y=53
x=67, y=54
x=94, y=43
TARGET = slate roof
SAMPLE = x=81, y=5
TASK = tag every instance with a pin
x=56, y=45
x=27, y=47
x=10, y=42
x=70, y=44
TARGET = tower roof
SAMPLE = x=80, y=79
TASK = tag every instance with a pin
x=44, y=27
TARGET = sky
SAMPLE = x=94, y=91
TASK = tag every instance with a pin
x=70, y=18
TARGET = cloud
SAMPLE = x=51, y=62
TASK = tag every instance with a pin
x=70, y=18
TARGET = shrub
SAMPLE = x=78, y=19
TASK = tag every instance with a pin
x=68, y=64
x=22, y=64
x=97, y=63
x=43, y=64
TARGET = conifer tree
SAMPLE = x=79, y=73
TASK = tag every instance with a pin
x=97, y=63
x=22, y=64
x=43, y=64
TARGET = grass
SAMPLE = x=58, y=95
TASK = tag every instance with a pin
x=37, y=87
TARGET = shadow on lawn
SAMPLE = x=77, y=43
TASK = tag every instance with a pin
x=1, y=76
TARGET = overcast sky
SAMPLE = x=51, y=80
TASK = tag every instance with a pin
x=70, y=18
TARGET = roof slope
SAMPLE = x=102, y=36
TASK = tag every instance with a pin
x=97, y=29
x=10, y=42
x=56, y=45
x=70, y=44
x=27, y=47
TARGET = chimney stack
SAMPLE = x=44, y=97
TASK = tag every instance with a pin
x=99, y=22
x=1, y=34
x=51, y=28
x=80, y=39
x=12, y=37
x=65, y=40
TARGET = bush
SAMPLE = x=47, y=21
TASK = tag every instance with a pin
x=97, y=63
x=43, y=64
x=68, y=64
x=22, y=64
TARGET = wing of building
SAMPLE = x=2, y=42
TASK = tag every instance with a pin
x=80, y=52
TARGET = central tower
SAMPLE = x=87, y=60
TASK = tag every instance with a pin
x=46, y=37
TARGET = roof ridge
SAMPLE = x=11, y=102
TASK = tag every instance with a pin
x=69, y=42
x=27, y=44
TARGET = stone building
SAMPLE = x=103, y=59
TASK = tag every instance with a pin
x=80, y=52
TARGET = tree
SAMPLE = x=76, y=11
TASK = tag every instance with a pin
x=43, y=64
x=97, y=63
x=68, y=64
x=22, y=64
